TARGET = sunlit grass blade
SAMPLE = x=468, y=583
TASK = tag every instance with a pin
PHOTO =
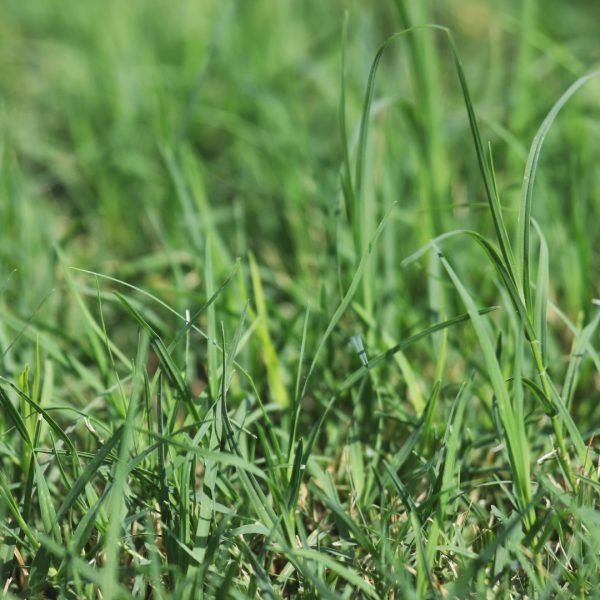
x=275, y=379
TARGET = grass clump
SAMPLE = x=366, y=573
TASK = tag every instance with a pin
x=252, y=350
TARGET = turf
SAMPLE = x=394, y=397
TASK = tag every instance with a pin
x=299, y=299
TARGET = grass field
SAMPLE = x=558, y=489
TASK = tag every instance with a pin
x=297, y=299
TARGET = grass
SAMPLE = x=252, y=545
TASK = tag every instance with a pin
x=299, y=300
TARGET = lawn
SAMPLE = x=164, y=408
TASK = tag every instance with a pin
x=297, y=299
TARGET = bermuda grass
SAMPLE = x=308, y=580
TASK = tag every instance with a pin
x=299, y=299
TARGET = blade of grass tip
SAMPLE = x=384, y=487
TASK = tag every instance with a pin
x=359, y=211
x=117, y=506
x=37, y=372
x=485, y=165
x=429, y=412
x=269, y=355
x=518, y=452
x=367, y=102
x=426, y=248
x=523, y=241
x=29, y=416
x=346, y=175
x=537, y=391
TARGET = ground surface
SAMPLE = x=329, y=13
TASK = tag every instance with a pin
x=285, y=316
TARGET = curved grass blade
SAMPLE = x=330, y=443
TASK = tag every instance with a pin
x=523, y=242
x=359, y=373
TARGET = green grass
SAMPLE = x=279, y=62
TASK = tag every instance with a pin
x=297, y=299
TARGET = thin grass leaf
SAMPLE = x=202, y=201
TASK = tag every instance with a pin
x=350, y=575
x=523, y=243
x=171, y=370
x=449, y=484
x=269, y=356
x=116, y=503
x=362, y=371
x=540, y=309
x=518, y=452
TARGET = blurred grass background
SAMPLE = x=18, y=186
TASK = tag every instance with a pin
x=95, y=95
